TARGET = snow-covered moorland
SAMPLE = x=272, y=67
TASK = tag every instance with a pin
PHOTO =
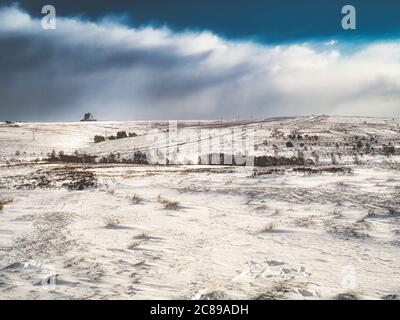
x=320, y=219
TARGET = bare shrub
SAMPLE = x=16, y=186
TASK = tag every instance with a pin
x=111, y=222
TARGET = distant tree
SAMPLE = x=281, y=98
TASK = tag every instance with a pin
x=53, y=154
x=289, y=144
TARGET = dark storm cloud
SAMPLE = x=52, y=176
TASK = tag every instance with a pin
x=117, y=72
x=269, y=21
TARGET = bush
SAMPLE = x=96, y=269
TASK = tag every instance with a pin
x=289, y=144
x=98, y=139
x=121, y=135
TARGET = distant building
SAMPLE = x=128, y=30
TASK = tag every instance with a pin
x=88, y=117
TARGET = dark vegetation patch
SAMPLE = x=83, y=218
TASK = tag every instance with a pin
x=322, y=170
x=278, y=292
x=118, y=136
x=346, y=296
x=307, y=170
x=136, y=158
x=259, y=161
x=70, y=177
x=347, y=231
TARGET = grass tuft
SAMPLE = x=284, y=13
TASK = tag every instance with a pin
x=168, y=204
x=136, y=199
x=134, y=244
x=4, y=202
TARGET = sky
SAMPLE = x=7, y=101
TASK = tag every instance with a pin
x=169, y=59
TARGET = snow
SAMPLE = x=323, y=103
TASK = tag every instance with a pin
x=332, y=233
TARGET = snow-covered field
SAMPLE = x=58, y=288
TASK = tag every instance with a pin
x=316, y=231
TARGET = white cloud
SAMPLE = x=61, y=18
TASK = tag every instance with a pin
x=116, y=71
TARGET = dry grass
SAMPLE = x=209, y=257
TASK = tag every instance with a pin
x=270, y=227
x=134, y=244
x=168, y=204
x=136, y=199
x=142, y=235
x=111, y=222
x=304, y=222
x=4, y=202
